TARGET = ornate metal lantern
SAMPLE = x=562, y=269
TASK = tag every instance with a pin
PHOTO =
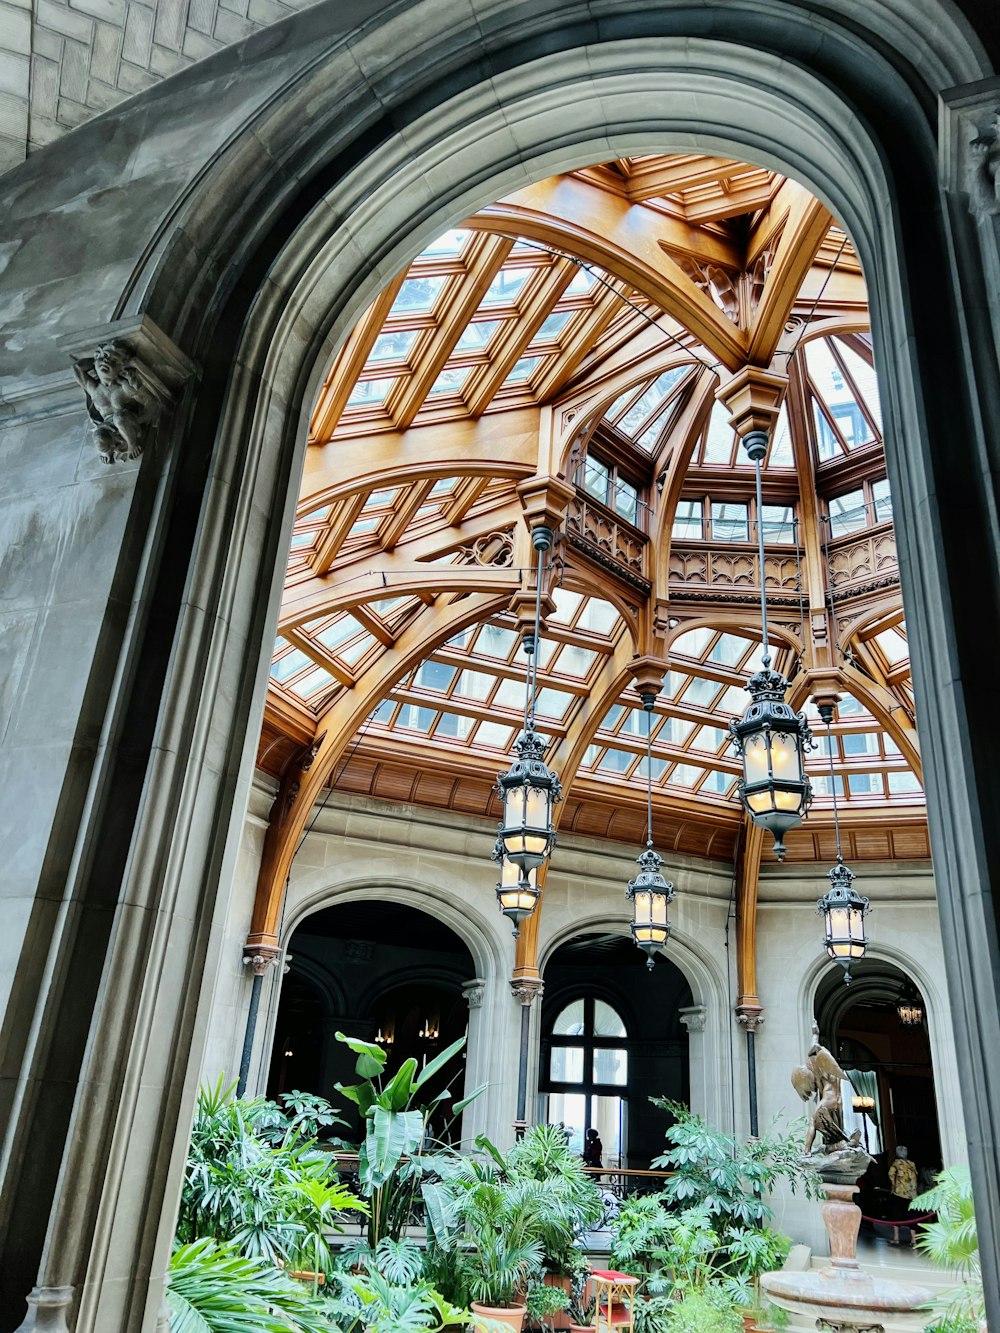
x=844, y=911
x=517, y=893
x=649, y=893
x=909, y=1006
x=529, y=788
x=771, y=739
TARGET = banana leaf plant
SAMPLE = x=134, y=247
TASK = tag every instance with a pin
x=390, y=1161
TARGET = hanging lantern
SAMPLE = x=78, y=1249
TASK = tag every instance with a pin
x=909, y=1006
x=844, y=912
x=528, y=790
x=650, y=895
x=771, y=741
x=517, y=894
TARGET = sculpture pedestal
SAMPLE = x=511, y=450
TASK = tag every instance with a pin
x=842, y=1298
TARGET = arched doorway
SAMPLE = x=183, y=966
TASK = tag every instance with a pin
x=380, y=971
x=877, y=1027
x=612, y=1036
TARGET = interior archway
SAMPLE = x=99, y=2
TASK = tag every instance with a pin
x=612, y=1037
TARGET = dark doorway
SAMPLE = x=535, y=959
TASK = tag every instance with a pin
x=612, y=1037
x=379, y=971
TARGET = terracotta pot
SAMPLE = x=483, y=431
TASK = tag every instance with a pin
x=749, y=1326
x=581, y=1328
x=511, y=1315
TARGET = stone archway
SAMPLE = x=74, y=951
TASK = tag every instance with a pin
x=299, y=275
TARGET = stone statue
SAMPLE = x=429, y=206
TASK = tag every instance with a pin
x=821, y=1077
x=983, y=181
x=120, y=402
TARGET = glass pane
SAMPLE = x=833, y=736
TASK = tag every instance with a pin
x=611, y=1066
x=392, y=346
x=569, y=1109
x=523, y=369
x=566, y=1064
x=570, y=1021
x=369, y=392
x=598, y=616
x=607, y=1021
x=506, y=285
x=595, y=479
x=779, y=523
x=553, y=326
x=730, y=522
x=720, y=436
x=476, y=335
x=449, y=244
x=434, y=676
x=687, y=520
x=626, y=500
x=848, y=513
x=416, y=294
x=607, y=1116
x=882, y=500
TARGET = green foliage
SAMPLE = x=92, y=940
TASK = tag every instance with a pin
x=270, y=1200
x=953, y=1242
x=543, y=1301
x=214, y=1289
x=306, y=1114
x=371, y=1301
x=729, y=1177
x=708, y=1310
x=389, y=1162
x=574, y=1203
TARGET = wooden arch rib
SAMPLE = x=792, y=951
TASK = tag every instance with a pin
x=550, y=214
x=335, y=729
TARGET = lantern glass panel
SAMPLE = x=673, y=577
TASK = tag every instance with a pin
x=755, y=759
x=536, y=807
x=786, y=759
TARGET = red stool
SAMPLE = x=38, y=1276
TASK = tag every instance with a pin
x=615, y=1294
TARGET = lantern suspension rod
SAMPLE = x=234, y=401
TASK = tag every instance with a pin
x=760, y=556
x=826, y=713
x=541, y=538
x=647, y=703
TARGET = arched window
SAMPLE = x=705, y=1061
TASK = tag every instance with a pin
x=587, y=1074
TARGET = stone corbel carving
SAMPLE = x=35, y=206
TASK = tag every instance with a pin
x=526, y=989
x=969, y=144
x=750, y=1020
x=131, y=375
x=474, y=992
x=693, y=1017
x=260, y=962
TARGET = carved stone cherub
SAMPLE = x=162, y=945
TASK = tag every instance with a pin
x=121, y=405
x=983, y=177
x=821, y=1076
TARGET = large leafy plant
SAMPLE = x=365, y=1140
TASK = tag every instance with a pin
x=573, y=1202
x=390, y=1165
x=952, y=1241
x=729, y=1177
x=271, y=1199
x=212, y=1288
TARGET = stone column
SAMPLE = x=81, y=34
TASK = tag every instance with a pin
x=524, y=990
x=477, y=1049
x=693, y=1018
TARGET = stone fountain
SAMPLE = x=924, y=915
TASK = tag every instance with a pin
x=841, y=1298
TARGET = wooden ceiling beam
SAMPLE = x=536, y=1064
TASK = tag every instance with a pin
x=467, y=492
x=404, y=513
x=802, y=235
x=336, y=532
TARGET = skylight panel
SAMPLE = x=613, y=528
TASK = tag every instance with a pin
x=567, y=604
x=659, y=768
x=444, y=486
x=781, y=443
x=494, y=734
x=450, y=380
x=417, y=295
x=414, y=718
x=455, y=725
x=733, y=701
x=392, y=346
x=385, y=606
x=730, y=650
x=903, y=783
x=339, y=632
x=495, y=641
x=574, y=661
x=836, y=393
x=314, y=682
x=506, y=285
x=673, y=683
x=383, y=714
x=381, y=499
x=474, y=685
x=361, y=526
x=302, y=539
x=693, y=642
x=710, y=739
x=685, y=775
x=893, y=645
x=583, y=282
x=355, y=651
x=553, y=703
x=720, y=436
x=522, y=370
x=553, y=325
x=716, y=781
x=674, y=731
x=616, y=761
x=701, y=693
x=510, y=694
x=433, y=675
x=864, y=378
x=450, y=243
x=864, y=784
x=598, y=616
x=289, y=664
x=369, y=393
x=476, y=335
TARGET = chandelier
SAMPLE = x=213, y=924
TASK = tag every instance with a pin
x=649, y=893
x=770, y=738
x=909, y=1006
x=529, y=788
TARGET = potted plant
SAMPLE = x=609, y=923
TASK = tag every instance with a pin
x=544, y=1303
x=706, y=1309
x=582, y=1305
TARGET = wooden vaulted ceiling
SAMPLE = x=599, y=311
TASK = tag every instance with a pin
x=573, y=335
